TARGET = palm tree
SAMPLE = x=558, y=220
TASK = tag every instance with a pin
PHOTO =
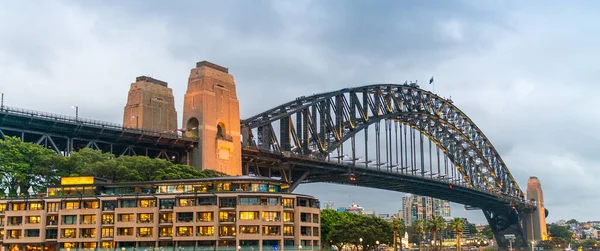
x=458, y=225
x=399, y=229
x=435, y=224
x=419, y=229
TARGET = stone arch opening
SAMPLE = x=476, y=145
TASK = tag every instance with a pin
x=192, y=128
x=221, y=133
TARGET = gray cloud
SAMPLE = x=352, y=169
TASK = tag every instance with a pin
x=524, y=73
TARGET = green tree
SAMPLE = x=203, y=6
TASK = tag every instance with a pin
x=419, y=230
x=343, y=228
x=487, y=232
x=472, y=229
x=458, y=226
x=399, y=230
x=24, y=165
x=559, y=231
x=435, y=225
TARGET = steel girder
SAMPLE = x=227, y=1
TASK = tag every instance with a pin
x=318, y=125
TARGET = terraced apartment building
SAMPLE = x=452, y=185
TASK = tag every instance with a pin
x=223, y=213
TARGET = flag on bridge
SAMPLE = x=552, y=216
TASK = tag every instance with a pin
x=431, y=80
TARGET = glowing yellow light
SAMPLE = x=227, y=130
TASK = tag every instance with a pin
x=83, y=180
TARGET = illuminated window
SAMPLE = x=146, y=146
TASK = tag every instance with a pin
x=205, y=216
x=125, y=231
x=108, y=219
x=70, y=245
x=249, y=230
x=206, y=231
x=14, y=234
x=288, y=230
x=88, y=219
x=2, y=207
x=227, y=216
x=166, y=217
x=108, y=244
x=35, y=206
x=15, y=220
x=126, y=218
x=68, y=233
x=227, y=231
x=33, y=219
x=18, y=206
x=146, y=218
x=148, y=203
x=52, y=206
x=165, y=231
x=52, y=220
x=186, y=202
x=94, y=204
x=90, y=245
x=184, y=231
x=248, y=215
x=288, y=217
x=108, y=232
x=72, y=205
x=88, y=233
x=223, y=186
x=270, y=216
x=145, y=232
x=271, y=230
x=288, y=203
x=70, y=219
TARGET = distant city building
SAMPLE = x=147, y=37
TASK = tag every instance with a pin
x=328, y=205
x=422, y=207
x=356, y=209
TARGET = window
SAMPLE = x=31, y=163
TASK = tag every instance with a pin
x=33, y=219
x=2, y=207
x=70, y=219
x=14, y=234
x=303, y=202
x=32, y=233
x=146, y=218
x=51, y=233
x=205, y=216
x=166, y=217
x=271, y=230
x=107, y=245
x=270, y=216
x=207, y=201
x=125, y=231
x=206, y=231
x=269, y=201
x=249, y=201
x=305, y=217
x=108, y=232
x=249, y=230
x=72, y=205
x=165, y=231
x=108, y=219
x=305, y=231
x=185, y=217
x=315, y=231
x=52, y=220
x=184, y=231
x=288, y=217
x=148, y=203
x=89, y=245
x=227, y=231
x=126, y=218
x=227, y=216
x=227, y=202
x=167, y=204
x=288, y=231
x=88, y=219
x=223, y=186
x=94, y=204
x=145, y=232
x=315, y=218
x=248, y=215
x=35, y=206
x=18, y=206
x=52, y=206
x=186, y=202
x=128, y=203
x=68, y=233
x=15, y=220
x=109, y=205
x=88, y=233
x=288, y=203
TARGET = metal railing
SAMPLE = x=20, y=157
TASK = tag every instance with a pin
x=87, y=122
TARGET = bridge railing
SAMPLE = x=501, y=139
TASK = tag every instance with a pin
x=87, y=122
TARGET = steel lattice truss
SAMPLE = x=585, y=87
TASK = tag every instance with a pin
x=318, y=125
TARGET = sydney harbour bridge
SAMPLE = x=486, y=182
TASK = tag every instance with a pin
x=392, y=137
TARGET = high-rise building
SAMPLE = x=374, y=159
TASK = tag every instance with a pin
x=423, y=207
x=328, y=205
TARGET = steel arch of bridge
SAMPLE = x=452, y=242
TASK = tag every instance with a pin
x=323, y=122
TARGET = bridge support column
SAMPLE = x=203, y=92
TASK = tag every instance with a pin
x=507, y=222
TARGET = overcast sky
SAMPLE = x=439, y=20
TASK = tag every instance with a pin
x=527, y=75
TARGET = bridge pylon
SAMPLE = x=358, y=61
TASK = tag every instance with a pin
x=536, y=220
x=211, y=113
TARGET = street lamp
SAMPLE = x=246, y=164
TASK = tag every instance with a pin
x=532, y=243
x=299, y=247
x=377, y=245
x=76, y=111
x=361, y=246
x=239, y=247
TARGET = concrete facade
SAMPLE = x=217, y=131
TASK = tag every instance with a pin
x=150, y=106
x=211, y=113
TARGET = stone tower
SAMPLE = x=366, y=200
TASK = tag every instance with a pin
x=536, y=229
x=211, y=112
x=150, y=106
